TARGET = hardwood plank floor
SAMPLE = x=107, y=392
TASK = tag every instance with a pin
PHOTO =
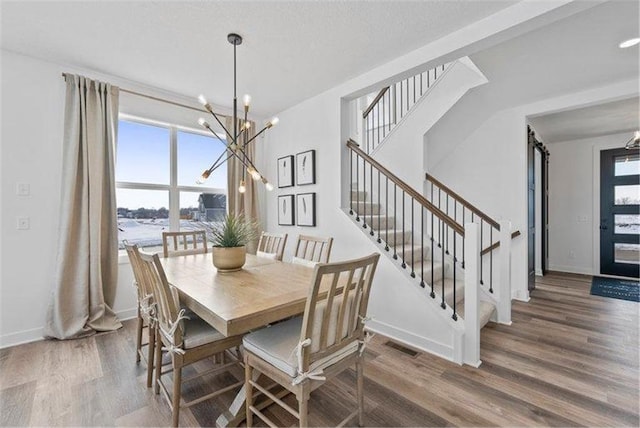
x=568, y=359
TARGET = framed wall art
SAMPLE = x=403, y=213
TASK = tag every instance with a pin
x=306, y=203
x=306, y=168
x=285, y=210
x=285, y=171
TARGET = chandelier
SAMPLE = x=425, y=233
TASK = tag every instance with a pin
x=235, y=143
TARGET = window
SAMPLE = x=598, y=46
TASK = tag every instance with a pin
x=156, y=170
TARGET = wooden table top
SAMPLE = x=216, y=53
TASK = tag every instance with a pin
x=264, y=291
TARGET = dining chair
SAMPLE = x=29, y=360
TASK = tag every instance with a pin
x=300, y=354
x=188, y=339
x=183, y=243
x=271, y=245
x=311, y=250
x=145, y=311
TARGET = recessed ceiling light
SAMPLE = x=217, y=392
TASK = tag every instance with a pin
x=629, y=43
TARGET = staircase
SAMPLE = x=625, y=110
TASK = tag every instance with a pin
x=457, y=256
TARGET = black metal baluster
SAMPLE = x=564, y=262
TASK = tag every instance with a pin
x=413, y=271
x=401, y=103
x=439, y=204
x=421, y=90
x=404, y=264
x=395, y=212
x=384, y=128
x=491, y=261
x=386, y=210
x=364, y=187
x=433, y=293
x=481, y=255
x=455, y=315
x=462, y=264
x=414, y=89
x=443, y=304
x=421, y=246
x=351, y=182
x=407, y=80
x=378, y=125
x=446, y=242
x=371, y=199
x=379, y=216
x=358, y=186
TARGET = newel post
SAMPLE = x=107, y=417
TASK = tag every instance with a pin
x=504, y=288
x=471, y=294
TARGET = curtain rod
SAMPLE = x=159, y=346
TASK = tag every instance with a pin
x=162, y=100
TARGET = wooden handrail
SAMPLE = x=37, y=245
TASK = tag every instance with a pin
x=463, y=201
x=374, y=102
x=497, y=244
x=407, y=189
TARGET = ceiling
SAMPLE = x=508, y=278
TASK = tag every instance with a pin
x=594, y=121
x=292, y=50
x=575, y=53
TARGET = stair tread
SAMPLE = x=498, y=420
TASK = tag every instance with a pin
x=486, y=309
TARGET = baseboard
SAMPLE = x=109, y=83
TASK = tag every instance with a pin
x=410, y=339
x=572, y=269
x=21, y=337
x=35, y=334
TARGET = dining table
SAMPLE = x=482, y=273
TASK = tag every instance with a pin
x=264, y=291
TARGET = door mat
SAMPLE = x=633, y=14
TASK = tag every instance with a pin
x=623, y=289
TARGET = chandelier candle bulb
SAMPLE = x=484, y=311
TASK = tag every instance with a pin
x=242, y=187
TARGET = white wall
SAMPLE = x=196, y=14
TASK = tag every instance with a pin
x=574, y=202
x=32, y=130
x=488, y=168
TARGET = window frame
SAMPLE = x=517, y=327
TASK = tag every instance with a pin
x=173, y=188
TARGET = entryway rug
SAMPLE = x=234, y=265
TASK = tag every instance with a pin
x=623, y=289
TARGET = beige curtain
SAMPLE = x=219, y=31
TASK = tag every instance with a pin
x=242, y=203
x=86, y=273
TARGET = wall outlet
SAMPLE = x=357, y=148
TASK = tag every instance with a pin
x=23, y=223
x=23, y=189
x=572, y=255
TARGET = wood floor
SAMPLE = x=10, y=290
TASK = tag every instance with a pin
x=568, y=359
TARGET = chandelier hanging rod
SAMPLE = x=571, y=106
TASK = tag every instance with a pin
x=237, y=142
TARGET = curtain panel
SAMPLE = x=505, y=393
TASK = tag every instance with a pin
x=85, y=279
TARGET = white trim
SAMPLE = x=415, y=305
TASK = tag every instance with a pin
x=572, y=269
x=411, y=339
x=35, y=334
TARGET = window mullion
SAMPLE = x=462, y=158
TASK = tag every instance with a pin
x=174, y=195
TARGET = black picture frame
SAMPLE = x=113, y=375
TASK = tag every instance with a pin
x=306, y=168
x=306, y=212
x=285, y=171
x=286, y=210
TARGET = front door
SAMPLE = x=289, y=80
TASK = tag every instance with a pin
x=620, y=212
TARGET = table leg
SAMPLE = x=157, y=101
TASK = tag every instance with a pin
x=236, y=413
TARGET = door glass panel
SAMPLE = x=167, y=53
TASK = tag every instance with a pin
x=627, y=253
x=627, y=223
x=627, y=165
x=627, y=195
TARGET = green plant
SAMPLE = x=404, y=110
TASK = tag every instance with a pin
x=233, y=231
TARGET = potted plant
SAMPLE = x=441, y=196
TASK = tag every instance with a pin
x=229, y=240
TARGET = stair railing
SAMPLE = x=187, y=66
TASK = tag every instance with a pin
x=492, y=236
x=392, y=103
x=400, y=218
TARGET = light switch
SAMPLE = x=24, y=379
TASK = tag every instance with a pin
x=23, y=223
x=23, y=189
x=582, y=218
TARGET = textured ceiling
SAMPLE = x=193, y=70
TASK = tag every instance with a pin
x=292, y=49
x=594, y=121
